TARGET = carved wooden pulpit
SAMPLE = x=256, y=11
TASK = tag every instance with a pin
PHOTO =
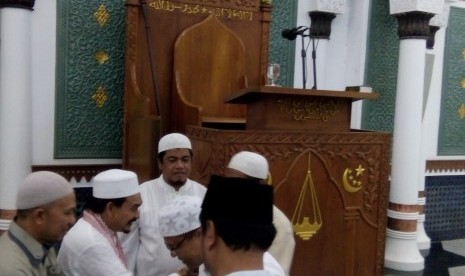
x=330, y=181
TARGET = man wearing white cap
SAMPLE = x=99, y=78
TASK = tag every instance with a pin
x=144, y=247
x=91, y=247
x=253, y=165
x=45, y=212
x=180, y=228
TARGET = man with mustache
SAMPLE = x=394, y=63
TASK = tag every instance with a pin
x=180, y=228
x=144, y=246
x=45, y=212
x=92, y=247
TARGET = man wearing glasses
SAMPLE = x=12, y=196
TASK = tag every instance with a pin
x=180, y=229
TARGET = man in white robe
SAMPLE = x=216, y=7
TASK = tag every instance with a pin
x=255, y=166
x=92, y=247
x=144, y=247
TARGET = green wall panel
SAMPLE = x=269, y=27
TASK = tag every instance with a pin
x=382, y=63
x=89, y=71
x=452, y=124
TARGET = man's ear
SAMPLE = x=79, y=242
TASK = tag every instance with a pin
x=109, y=208
x=210, y=237
x=38, y=215
x=159, y=164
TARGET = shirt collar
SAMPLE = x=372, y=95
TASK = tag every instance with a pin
x=33, y=249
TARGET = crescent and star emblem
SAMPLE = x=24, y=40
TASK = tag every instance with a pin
x=351, y=179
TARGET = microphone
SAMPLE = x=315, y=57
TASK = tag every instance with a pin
x=292, y=34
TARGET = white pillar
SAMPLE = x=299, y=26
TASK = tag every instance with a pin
x=401, y=246
x=15, y=105
x=407, y=122
x=413, y=18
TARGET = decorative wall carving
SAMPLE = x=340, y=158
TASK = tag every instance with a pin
x=382, y=56
x=451, y=129
x=89, y=85
x=172, y=5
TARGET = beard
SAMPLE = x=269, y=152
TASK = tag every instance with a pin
x=178, y=183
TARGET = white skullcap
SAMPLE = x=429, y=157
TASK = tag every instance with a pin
x=174, y=141
x=180, y=216
x=115, y=183
x=250, y=163
x=40, y=188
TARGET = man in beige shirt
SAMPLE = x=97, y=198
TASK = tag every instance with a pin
x=45, y=212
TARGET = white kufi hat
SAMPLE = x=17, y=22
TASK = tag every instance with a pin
x=40, y=188
x=250, y=163
x=174, y=141
x=115, y=183
x=180, y=216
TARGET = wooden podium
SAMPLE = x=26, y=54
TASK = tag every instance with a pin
x=280, y=108
x=331, y=182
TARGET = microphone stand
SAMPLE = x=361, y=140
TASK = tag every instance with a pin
x=303, y=53
x=314, y=62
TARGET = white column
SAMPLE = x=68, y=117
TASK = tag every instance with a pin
x=15, y=104
x=401, y=246
x=402, y=252
x=407, y=122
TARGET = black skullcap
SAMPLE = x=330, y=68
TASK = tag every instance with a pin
x=238, y=200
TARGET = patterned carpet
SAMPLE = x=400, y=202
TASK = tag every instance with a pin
x=445, y=258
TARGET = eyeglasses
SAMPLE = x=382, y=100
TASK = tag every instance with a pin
x=177, y=245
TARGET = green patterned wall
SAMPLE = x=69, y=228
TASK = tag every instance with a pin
x=89, y=71
x=452, y=124
x=282, y=51
x=382, y=62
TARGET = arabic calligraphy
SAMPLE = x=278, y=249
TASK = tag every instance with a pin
x=194, y=9
x=302, y=110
